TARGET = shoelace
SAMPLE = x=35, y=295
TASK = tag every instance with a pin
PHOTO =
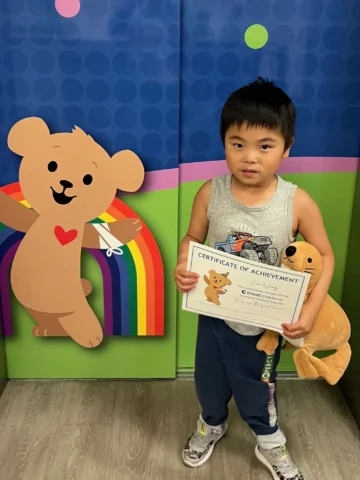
x=286, y=464
x=199, y=442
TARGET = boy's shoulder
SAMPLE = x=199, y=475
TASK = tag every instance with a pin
x=211, y=186
x=286, y=182
x=304, y=204
x=301, y=197
x=222, y=180
x=217, y=180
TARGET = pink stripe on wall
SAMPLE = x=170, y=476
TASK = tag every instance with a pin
x=319, y=165
x=159, y=180
x=198, y=171
x=191, y=172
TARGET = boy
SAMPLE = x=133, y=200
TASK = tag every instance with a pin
x=257, y=130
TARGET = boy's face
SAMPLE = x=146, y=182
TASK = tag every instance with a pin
x=254, y=154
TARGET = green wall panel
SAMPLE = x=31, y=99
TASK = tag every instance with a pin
x=350, y=302
x=116, y=357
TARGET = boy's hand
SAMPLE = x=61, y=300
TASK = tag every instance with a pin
x=303, y=326
x=185, y=280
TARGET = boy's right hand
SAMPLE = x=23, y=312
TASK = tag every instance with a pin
x=185, y=280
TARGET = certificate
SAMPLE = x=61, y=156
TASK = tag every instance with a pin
x=239, y=290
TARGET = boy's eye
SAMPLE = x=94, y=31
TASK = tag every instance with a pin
x=237, y=145
x=265, y=147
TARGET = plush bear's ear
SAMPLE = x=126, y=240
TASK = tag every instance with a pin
x=128, y=170
x=27, y=135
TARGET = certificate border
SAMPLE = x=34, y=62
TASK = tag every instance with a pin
x=228, y=256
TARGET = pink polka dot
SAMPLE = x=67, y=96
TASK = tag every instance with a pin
x=67, y=8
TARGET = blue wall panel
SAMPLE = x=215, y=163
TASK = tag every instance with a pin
x=113, y=70
x=313, y=52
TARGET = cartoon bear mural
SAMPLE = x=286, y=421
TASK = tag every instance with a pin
x=68, y=179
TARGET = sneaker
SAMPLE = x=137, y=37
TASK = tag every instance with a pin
x=280, y=463
x=201, y=444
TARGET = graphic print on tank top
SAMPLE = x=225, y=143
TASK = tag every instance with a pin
x=252, y=246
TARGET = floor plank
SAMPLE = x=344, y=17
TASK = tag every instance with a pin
x=135, y=430
x=29, y=428
x=80, y=452
x=89, y=403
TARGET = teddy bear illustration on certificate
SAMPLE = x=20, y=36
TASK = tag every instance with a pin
x=68, y=179
x=215, y=283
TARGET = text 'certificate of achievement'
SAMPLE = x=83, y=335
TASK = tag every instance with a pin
x=239, y=290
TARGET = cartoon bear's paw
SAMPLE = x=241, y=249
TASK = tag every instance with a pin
x=126, y=230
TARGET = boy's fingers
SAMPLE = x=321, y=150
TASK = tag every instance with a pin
x=293, y=334
x=186, y=281
x=185, y=273
x=185, y=289
x=291, y=328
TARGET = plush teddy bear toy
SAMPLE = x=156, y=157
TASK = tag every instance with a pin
x=331, y=330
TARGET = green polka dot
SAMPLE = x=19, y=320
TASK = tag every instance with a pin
x=256, y=36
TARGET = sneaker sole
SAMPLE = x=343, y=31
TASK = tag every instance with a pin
x=207, y=456
x=263, y=460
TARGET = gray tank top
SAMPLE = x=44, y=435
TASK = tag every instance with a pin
x=256, y=233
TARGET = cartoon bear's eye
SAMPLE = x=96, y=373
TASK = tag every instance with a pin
x=52, y=166
x=309, y=260
x=87, y=179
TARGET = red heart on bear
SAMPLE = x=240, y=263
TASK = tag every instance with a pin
x=65, y=237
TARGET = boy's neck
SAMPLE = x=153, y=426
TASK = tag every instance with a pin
x=254, y=195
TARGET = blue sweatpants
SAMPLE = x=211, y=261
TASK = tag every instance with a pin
x=228, y=364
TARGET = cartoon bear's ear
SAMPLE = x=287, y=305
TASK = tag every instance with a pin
x=27, y=135
x=129, y=170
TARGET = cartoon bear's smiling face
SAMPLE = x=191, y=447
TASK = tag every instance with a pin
x=69, y=173
x=218, y=279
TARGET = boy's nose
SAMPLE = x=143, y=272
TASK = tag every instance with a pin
x=250, y=159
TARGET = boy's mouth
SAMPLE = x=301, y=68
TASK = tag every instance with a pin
x=249, y=172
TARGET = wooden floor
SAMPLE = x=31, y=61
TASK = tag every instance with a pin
x=107, y=430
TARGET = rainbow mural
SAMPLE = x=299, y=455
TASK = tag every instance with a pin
x=133, y=283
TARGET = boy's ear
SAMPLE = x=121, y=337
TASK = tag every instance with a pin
x=287, y=151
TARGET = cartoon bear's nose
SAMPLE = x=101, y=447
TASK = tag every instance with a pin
x=66, y=184
x=290, y=251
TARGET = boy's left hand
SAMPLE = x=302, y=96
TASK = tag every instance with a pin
x=303, y=326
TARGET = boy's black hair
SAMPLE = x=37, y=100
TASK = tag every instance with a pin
x=260, y=104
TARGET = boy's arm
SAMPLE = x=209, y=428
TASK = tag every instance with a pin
x=197, y=232
x=311, y=227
